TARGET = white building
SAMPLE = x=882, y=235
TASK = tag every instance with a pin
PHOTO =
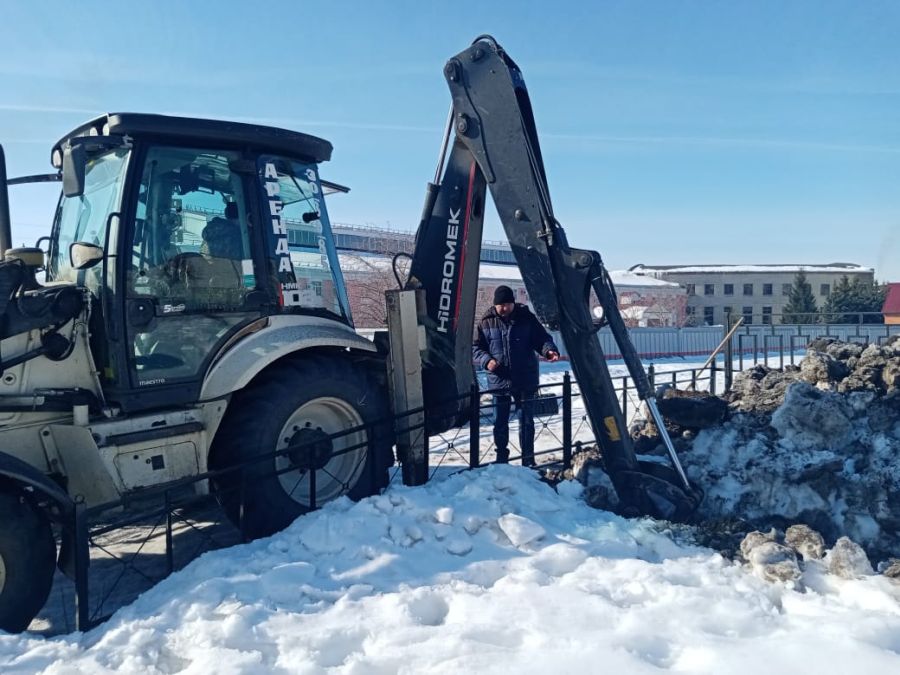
x=756, y=292
x=645, y=301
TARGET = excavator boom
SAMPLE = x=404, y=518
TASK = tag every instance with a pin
x=495, y=147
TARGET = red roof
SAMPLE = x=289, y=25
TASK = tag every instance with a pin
x=892, y=300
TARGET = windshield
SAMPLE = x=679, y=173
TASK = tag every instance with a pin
x=301, y=246
x=84, y=218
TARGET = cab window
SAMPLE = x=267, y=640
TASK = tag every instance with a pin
x=191, y=240
x=84, y=218
x=302, y=260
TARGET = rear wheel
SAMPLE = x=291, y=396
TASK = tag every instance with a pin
x=301, y=403
x=27, y=560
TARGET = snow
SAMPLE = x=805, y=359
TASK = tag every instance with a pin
x=480, y=571
x=494, y=571
x=621, y=278
x=838, y=268
x=624, y=278
x=820, y=458
x=499, y=272
x=369, y=262
x=364, y=262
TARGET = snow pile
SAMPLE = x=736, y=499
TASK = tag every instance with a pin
x=829, y=364
x=818, y=444
x=485, y=571
x=821, y=458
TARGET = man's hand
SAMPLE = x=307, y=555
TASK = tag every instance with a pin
x=552, y=356
x=492, y=365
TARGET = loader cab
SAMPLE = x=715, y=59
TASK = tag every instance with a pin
x=207, y=229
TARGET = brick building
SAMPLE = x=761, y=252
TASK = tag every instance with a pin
x=644, y=301
x=891, y=308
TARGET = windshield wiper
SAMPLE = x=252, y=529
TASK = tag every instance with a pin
x=36, y=178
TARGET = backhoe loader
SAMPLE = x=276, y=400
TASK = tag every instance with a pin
x=188, y=314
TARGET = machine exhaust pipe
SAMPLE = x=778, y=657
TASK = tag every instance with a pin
x=5, y=225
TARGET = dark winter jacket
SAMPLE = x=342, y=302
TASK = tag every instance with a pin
x=514, y=343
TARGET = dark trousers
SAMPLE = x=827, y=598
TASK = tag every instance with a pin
x=525, y=412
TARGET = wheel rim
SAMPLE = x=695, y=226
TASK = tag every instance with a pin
x=2, y=574
x=339, y=472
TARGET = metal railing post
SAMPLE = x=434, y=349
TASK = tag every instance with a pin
x=82, y=561
x=729, y=356
x=170, y=555
x=567, y=421
x=243, y=506
x=372, y=454
x=713, y=376
x=474, y=426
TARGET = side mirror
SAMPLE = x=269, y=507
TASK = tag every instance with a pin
x=73, y=168
x=83, y=256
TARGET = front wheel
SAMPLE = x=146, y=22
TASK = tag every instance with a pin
x=301, y=403
x=27, y=560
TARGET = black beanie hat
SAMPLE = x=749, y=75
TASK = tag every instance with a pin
x=503, y=294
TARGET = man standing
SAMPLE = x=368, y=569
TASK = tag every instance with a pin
x=507, y=343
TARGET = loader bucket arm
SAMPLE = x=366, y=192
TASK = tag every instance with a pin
x=495, y=143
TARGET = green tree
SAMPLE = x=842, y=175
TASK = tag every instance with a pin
x=848, y=298
x=801, y=305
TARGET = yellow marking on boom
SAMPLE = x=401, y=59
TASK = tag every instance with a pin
x=611, y=429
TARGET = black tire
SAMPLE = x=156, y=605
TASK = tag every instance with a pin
x=274, y=412
x=27, y=560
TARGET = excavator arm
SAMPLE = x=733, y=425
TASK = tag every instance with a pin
x=495, y=147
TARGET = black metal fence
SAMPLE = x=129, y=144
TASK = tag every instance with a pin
x=561, y=429
x=117, y=544
x=776, y=344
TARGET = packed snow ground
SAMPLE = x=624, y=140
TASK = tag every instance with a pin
x=483, y=571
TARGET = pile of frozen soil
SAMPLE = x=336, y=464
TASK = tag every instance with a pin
x=817, y=445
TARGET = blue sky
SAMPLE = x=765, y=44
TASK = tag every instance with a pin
x=673, y=132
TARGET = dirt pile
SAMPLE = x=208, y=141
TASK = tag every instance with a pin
x=817, y=445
